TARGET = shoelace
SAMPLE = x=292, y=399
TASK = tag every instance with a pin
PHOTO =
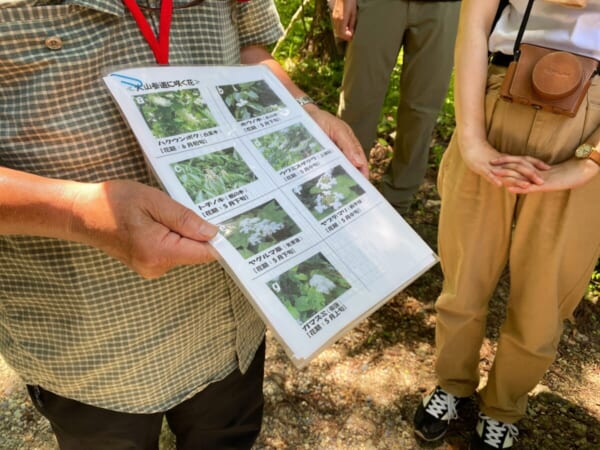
x=441, y=403
x=494, y=432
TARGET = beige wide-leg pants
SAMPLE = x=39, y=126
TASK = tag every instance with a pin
x=551, y=242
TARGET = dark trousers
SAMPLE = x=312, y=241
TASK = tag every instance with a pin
x=225, y=415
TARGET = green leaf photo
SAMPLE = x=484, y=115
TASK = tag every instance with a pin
x=325, y=194
x=287, y=146
x=213, y=174
x=175, y=112
x=308, y=287
x=251, y=99
x=258, y=229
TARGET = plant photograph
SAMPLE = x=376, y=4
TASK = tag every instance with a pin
x=251, y=99
x=325, y=194
x=308, y=287
x=258, y=229
x=287, y=146
x=175, y=112
x=213, y=174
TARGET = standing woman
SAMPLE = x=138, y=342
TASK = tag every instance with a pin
x=519, y=186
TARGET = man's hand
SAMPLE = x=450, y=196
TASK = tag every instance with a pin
x=140, y=226
x=341, y=134
x=343, y=16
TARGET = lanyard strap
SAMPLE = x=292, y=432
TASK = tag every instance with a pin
x=159, y=44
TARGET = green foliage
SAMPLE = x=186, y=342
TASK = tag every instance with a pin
x=328, y=192
x=252, y=99
x=299, y=29
x=444, y=128
x=286, y=10
x=210, y=175
x=175, y=112
x=446, y=120
x=308, y=287
x=285, y=147
x=321, y=80
x=258, y=229
x=594, y=286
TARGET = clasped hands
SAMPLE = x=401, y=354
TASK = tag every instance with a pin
x=526, y=174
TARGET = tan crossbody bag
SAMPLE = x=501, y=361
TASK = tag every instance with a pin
x=545, y=78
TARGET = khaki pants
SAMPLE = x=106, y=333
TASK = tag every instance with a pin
x=425, y=31
x=551, y=242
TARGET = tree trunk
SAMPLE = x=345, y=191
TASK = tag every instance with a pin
x=320, y=41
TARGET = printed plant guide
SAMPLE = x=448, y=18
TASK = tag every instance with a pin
x=309, y=240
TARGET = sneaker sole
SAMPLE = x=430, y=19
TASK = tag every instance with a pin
x=430, y=439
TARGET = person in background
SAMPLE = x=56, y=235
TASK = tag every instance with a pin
x=376, y=31
x=112, y=308
x=519, y=186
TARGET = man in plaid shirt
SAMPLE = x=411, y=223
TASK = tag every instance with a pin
x=112, y=309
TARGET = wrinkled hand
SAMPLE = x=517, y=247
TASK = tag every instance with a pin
x=141, y=226
x=341, y=134
x=566, y=175
x=503, y=170
x=343, y=16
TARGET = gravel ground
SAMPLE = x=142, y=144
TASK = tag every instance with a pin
x=362, y=392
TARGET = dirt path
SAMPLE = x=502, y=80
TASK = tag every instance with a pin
x=362, y=392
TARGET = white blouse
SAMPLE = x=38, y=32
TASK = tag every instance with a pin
x=576, y=30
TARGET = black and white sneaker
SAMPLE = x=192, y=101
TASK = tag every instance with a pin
x=434, y=414
x=491, y=434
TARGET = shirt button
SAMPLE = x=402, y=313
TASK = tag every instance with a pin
x=54, y=43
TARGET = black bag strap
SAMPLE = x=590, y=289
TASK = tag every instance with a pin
x=516, y=49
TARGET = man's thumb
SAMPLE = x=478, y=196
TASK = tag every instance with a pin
x=187, y=223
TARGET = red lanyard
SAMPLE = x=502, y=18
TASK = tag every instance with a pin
x=159, y=44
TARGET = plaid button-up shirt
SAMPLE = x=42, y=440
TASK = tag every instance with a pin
x=72, y=319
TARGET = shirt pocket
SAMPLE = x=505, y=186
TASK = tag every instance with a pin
x=55, y=113
x=34, y=34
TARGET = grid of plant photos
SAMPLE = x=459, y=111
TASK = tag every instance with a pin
x=314, y=283
x=279, y=190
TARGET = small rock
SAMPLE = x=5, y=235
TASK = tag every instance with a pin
x=580, y=337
